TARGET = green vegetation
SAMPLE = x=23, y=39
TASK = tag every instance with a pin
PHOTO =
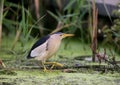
x=114, y=32
x=17, y=76
x=21, y=30
x=35, y=77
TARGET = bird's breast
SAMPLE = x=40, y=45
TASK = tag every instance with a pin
x=53, y=46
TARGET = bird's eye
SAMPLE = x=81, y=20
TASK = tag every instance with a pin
x=60, y=34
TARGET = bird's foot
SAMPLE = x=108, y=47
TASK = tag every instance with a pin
x=53, y=65
x=56, y=64
x=45, y=70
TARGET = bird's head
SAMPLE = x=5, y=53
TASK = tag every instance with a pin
x=62, y=35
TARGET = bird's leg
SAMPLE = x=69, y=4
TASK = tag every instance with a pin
x=54, y=64
x=52, y=67
x=43, y=64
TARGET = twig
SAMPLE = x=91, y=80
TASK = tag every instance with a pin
x=60, y=26
x=94, y=30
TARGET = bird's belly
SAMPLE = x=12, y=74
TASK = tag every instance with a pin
x=42, y=56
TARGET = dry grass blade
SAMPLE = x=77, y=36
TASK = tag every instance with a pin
x=37, y=8
x=107, y=11
x=58, y=28
x=94, y=30
x=16, y=38
x=59, y=3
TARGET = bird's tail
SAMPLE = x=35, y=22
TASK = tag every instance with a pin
x=28, y=56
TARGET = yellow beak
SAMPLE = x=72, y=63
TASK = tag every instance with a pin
x=67, y=35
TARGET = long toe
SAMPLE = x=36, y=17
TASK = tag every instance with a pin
x=58, y=64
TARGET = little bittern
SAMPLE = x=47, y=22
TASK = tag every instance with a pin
x=46, y=47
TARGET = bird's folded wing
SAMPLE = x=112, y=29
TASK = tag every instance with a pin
x=39, y=51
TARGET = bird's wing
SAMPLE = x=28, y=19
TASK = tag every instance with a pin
x=39, y=46
x=40, y=51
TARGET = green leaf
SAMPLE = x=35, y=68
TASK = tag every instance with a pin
x=53, y=15
x=69, y=5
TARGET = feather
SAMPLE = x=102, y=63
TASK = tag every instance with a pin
x=37, y=44
x=38, y=51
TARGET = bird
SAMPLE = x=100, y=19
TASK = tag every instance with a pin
x=46, y=47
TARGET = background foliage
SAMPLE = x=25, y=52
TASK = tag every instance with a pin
x=21, y=23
